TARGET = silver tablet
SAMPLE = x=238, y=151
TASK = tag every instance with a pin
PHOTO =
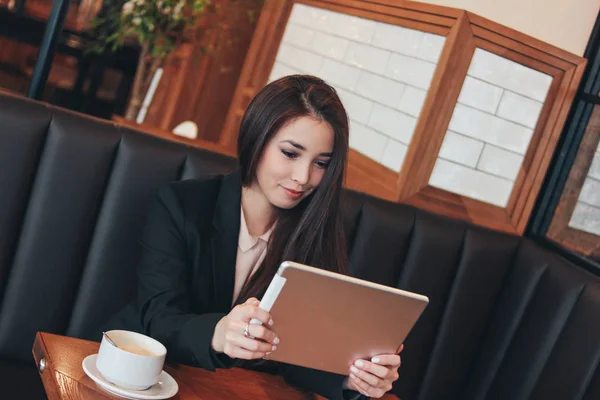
x=326, y=321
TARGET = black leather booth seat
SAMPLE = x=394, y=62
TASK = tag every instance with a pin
x=507, y=320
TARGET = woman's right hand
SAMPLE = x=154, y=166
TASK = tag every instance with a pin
x=229, y=335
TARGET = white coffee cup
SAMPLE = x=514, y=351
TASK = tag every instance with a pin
x=135, y=364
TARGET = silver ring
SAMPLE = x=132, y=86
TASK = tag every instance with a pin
x=247, y=330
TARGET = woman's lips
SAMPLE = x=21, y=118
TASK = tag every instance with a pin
x=292, y=194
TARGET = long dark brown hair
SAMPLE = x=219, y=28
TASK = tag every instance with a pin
x=310, y=233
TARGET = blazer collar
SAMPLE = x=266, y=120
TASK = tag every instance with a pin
x=226, y=218
x=226, y=221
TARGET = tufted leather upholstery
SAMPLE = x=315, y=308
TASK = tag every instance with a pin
x=507, y=319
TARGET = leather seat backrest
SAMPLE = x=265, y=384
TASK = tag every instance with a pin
x=74, y=195
x=543, y=340
x=506, y=320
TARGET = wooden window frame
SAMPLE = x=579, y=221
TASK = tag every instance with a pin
x=559, y=230
x=549, y=224
x=464, y=33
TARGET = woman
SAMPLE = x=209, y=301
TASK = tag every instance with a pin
x=211, y=247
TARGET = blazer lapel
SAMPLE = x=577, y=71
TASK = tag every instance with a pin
x=224, y=243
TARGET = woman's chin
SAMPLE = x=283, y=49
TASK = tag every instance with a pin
x=285, y=202
x=286, y=205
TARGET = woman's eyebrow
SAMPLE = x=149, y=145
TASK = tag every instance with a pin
x=296, y=145
x=300, y=147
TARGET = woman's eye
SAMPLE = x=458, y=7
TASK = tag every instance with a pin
x=322, y=164
x=289, y=154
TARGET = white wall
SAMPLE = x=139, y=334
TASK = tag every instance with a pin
x=564, y=23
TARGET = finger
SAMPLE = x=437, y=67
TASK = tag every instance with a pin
x=252, y=311
x=368, y=390
x=380, y=371
x=368, y=377
x=400, y=349
x=390, y=360
x=234, y=351
x=235, y=334
x=252, y=300
x=353, y=385
x=262, y=332
x=235, y=337
x=253, y=345
x=360, y=385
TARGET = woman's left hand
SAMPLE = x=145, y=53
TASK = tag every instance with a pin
x=374, y=378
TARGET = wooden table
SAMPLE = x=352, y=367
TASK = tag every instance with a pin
x=63, y=376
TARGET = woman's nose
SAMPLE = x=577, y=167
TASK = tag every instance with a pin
x=301, y=173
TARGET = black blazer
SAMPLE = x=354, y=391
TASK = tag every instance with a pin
x=186, y=277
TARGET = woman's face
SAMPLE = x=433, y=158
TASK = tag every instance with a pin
x=294, y=161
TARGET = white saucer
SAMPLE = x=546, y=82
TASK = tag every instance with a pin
x=165, y=388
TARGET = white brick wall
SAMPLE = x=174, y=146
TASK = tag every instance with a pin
x=381, y=71
x=594, y=171
x=357, y=106
x=590, y=192
x=519, y=109
x=303, y=37
x=491, y=128
x=377, y=88
x=413, y=71
x=510, y=75
x=302, y=60
x=327, y=45
x=461, y=149
x=371, y=143
x=280, y=70
x=431, y=47
x=394, y=154
x=367, y=57
x=500, y=162
x=470, y=182
x=586, y=216
x=339, y=74
x=480, y=95
x=412, y=101
x=392, y=123
x=398, y=39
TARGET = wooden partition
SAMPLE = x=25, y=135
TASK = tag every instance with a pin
x=529, y=95
x=199, y=80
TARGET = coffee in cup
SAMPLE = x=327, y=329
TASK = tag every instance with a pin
x=137, y=350
x=136, y=362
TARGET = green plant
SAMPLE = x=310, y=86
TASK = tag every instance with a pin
x=157, y=24
x=160, y=26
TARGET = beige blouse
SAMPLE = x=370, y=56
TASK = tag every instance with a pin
x=250, y=254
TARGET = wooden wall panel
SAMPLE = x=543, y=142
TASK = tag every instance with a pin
x=258, y=64
x=408, y=14
x=199, y=81
x=366, y=176
x=165, y=134
x=167, y=98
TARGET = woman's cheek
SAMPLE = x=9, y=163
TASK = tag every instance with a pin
x=317, y=177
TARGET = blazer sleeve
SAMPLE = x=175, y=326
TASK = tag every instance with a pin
x=163, y=300
x=326, y=384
